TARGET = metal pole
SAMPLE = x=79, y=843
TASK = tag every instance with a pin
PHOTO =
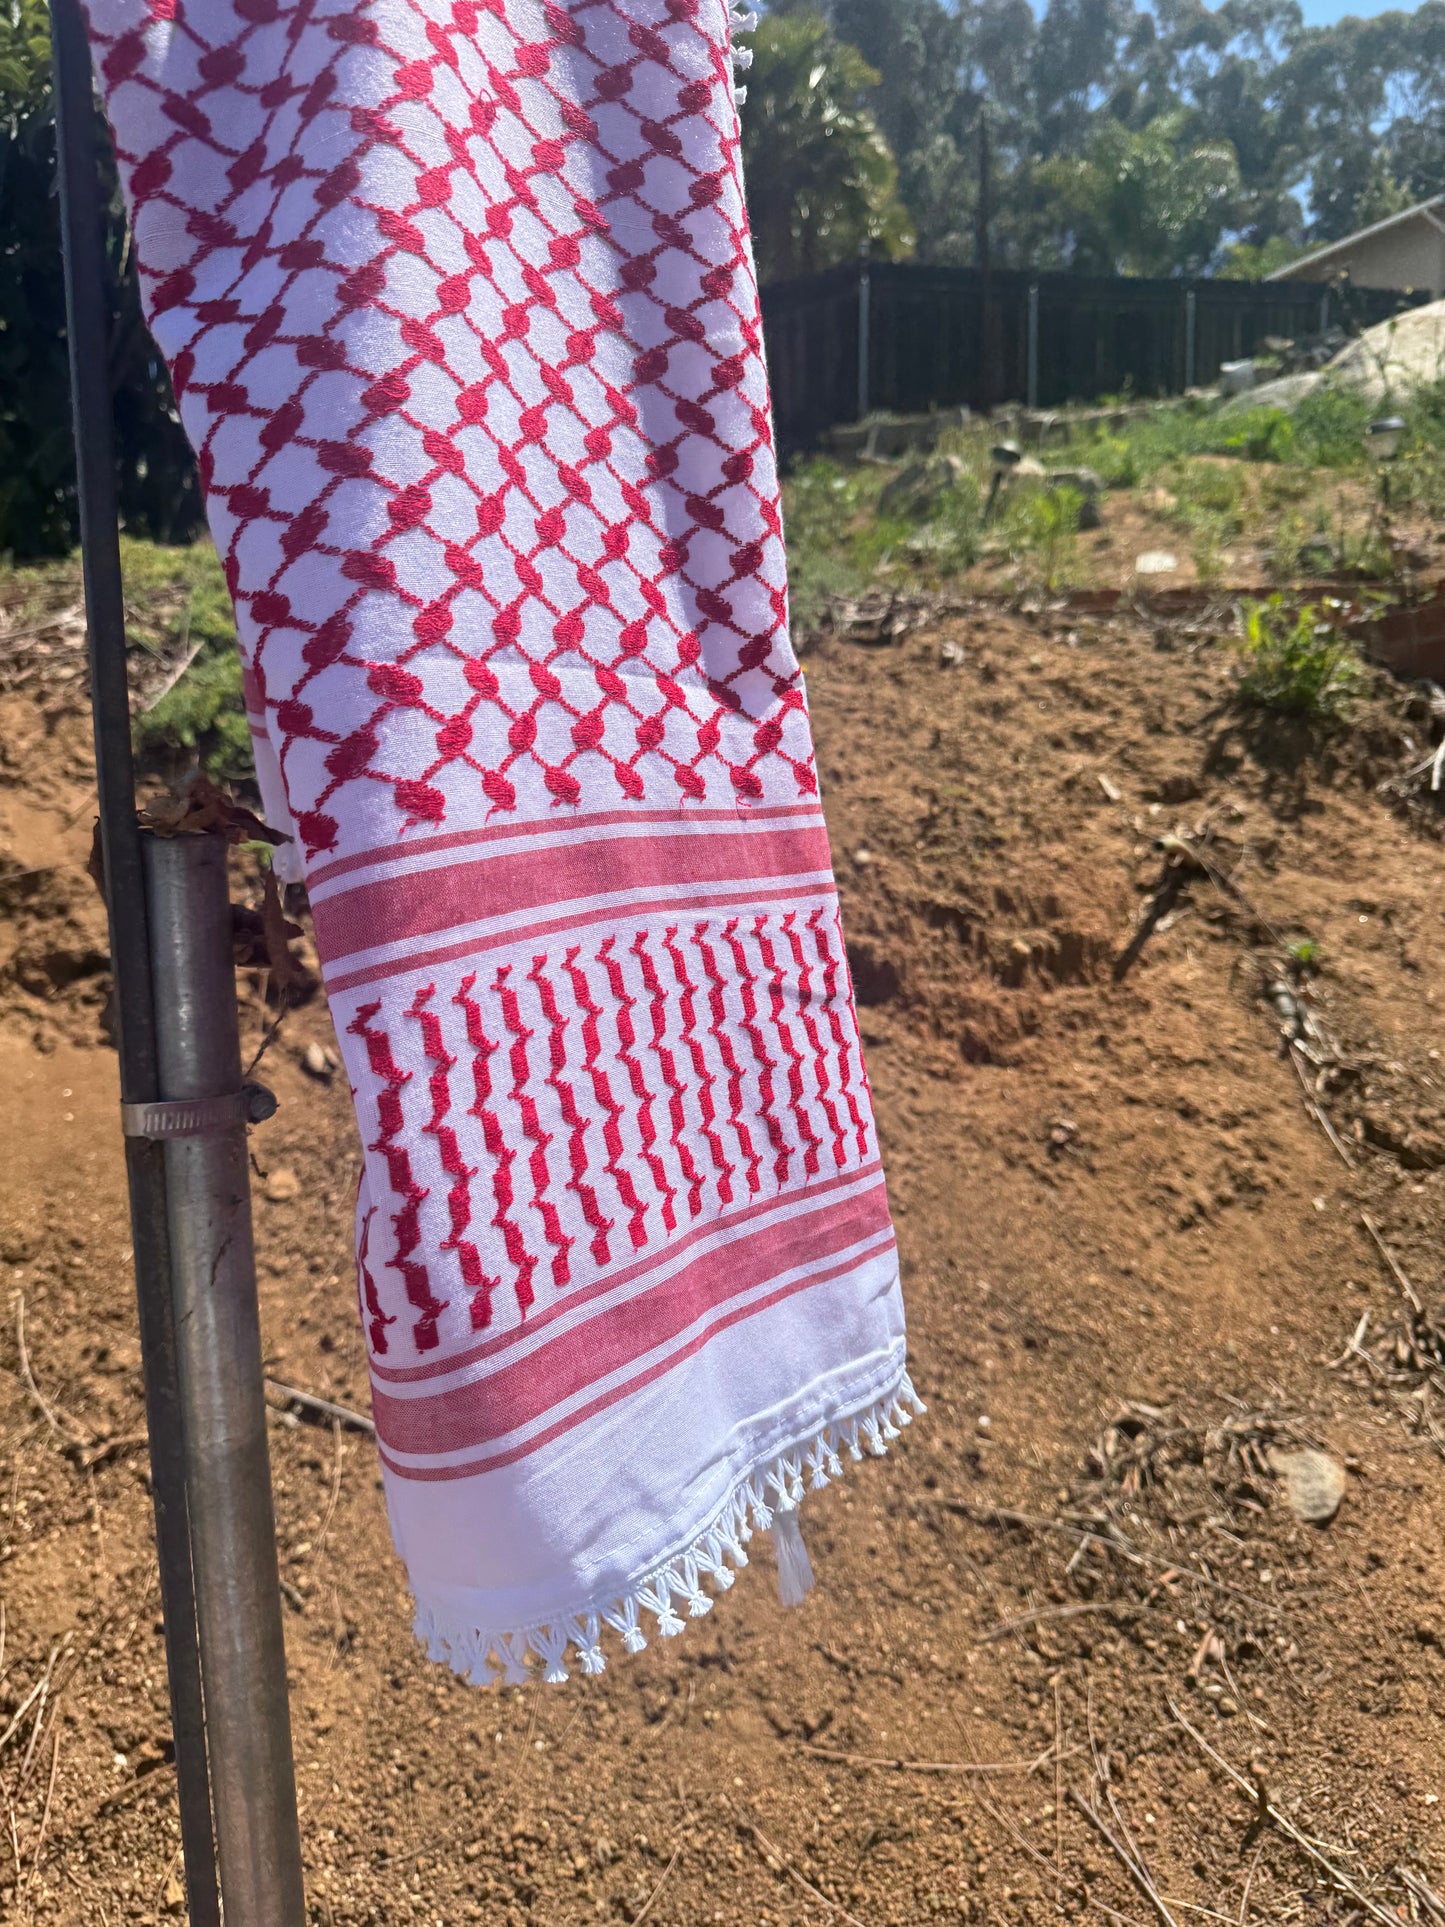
x=865, y=334
x=1033, y=361
x=233, y=1528
x=1191, y=326
x=87, y=323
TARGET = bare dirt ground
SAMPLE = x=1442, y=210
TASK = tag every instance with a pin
x=1135, y=1263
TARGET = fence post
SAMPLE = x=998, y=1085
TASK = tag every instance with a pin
x=865, y=319
x=218, y=1341
x=88, y=327
x=1191, y=322
x=1033, y=347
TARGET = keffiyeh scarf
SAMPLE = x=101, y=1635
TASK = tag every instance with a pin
x=460, y=309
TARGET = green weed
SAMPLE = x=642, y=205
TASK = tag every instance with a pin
x=1297, y=663
x=1305, y=956
x=1045, y=522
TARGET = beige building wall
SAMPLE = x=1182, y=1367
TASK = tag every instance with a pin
x=1411, y=255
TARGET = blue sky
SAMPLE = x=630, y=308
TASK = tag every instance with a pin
x=1323, y=13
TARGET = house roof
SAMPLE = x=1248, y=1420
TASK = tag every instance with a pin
x=1421, y=210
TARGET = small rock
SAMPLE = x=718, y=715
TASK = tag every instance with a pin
x=918, y=488
x=1313, y=1482
x=282, y=1185
x=1087, y=484
x=316, y=1062
x=1155, y=562
x=952, y=655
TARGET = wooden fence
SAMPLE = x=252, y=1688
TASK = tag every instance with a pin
x=893, y=336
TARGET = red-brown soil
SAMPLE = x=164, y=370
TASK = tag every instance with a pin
x=1131, y=1254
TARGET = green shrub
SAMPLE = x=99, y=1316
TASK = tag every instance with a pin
x=1329, y=427
x=820, y=499
x=1297, y=664
x=205, y=712
x=176, y=599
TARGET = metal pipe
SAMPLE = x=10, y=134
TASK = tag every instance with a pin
x=87, y=325
x=1191, y=329
x=1033, y=347
x=865, y=336
x=233, y=1527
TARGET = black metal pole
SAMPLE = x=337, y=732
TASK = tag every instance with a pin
x=82, y=239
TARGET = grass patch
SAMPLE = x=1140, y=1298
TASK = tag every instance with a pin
x=838, y=542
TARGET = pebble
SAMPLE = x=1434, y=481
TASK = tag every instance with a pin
x=282, y=1185
x=316, y=1062
x=1313, y=1482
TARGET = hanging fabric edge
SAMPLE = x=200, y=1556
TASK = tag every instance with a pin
x=764, y=1499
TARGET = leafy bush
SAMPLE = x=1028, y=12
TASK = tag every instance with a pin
x=1297, y=664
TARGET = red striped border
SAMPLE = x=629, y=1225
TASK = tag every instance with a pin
x=728, y=1226
x=595, y=820
x=496, y=1461
x=579, y=918
x=518, y=1394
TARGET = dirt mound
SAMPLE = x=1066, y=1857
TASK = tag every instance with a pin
x=1078, y=1596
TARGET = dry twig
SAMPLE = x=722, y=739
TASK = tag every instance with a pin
x=45, y=1811
x=37, y=1692
x=335, y=1487
x=1423, y=1892
x=1055, y=1612
x=1396, y=1269
x=1126, y=1859
x=64, y=1431
x=1286, y=1826
x=1058, y=1797
x=322, y=1407
x=770, y=1852
x=637, y=1919
x=1317, y=1111
x=900, y=1765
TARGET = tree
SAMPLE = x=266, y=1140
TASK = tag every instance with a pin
x=1145, y=203
x=1251, y=261
x=822, y=181
x=155, y=474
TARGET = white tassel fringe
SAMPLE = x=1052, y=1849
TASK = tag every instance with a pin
x=741, y=19
x=767, y=1500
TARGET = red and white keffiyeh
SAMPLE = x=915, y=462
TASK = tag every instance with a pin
x=463, y=322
